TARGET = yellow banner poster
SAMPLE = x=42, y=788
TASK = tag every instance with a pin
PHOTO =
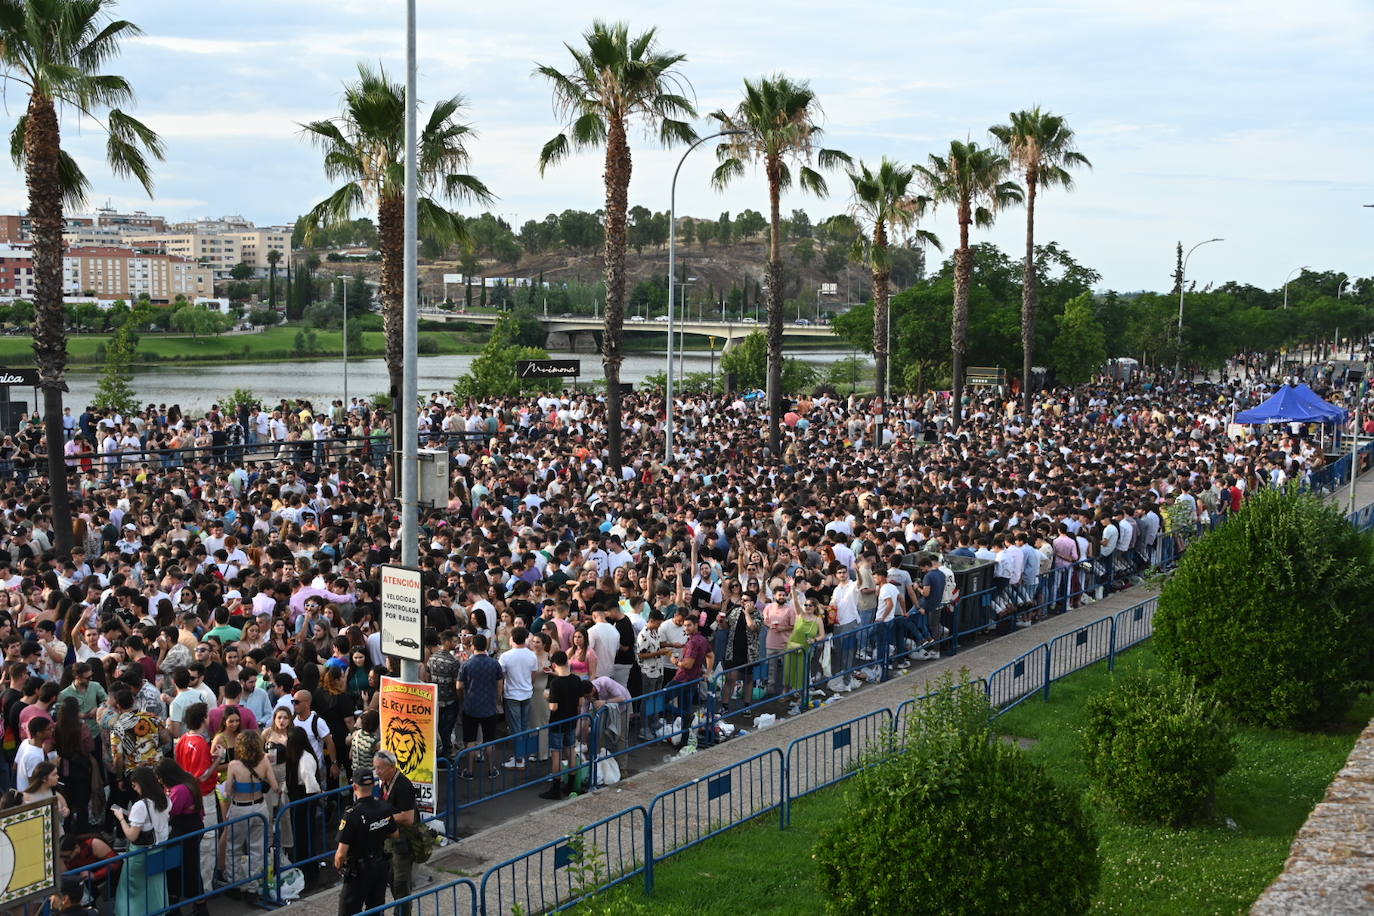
x=29, y=866
x=410, y=714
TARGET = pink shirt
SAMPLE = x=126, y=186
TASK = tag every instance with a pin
x=784, y=615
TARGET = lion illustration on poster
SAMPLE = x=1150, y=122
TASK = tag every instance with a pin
x=406, y=740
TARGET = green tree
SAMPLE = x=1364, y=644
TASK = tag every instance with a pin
x=884, y=204
x=364, y=147
x=972, y=179
x=241, y=271
x=492, y=373
x=199, y=321
x=1080, y=346
x=775, y=127
x=54, y=51
x=688, y=231
x=748, y=360
x=805, y=252
x=749, y=223
x=115, y=389
x=1041, y=145
x=616, y=79
x=273, y=258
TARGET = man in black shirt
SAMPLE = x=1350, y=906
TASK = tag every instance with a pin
x=564, y=693
x=361, y=857
x=400, y=793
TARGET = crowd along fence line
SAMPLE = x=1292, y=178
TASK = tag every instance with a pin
x=627, y=845
x=633, y=842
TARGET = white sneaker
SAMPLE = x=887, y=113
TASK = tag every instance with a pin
x=1022, y=624
x=512, y=764
x=927, y=655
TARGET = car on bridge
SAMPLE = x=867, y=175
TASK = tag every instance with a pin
x=749, y=321
x=661, y=318
x=637, y=318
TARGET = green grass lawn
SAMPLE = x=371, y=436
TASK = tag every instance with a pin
x=276, y=343
x=1279, y=776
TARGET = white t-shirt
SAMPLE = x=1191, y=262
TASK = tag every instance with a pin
x=145, y=816
x=889, y=599
x=26, y=758
x=604, y=640
x=517, y=667
x=846, y=600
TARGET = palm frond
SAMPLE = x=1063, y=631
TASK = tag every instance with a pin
x=338, y=207
x=553, y=152
x=466, y=188
x=726, y=172
x=811, y=180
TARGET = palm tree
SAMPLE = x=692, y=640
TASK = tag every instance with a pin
x=775, y=127
x=1041, y=145
x=972, y=179
x=55, y=50
x=884, y=204
x=615, y=79
x=273, y=258
x=364, y=146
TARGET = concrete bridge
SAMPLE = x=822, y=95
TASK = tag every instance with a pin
x=580, y=334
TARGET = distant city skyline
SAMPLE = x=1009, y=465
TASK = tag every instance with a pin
x=1241, y=119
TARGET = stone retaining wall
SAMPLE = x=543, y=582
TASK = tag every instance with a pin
x=1330, y=869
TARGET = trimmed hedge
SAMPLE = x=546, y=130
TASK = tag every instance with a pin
x=1273, y=612
x=1156, y=747
x=958, y=822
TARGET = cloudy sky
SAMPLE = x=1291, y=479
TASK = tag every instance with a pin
x=1248, y=120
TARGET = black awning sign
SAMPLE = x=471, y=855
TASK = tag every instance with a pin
x=547, y=368
x=27, y=377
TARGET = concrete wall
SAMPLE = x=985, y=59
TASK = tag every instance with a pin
x=1330, y=868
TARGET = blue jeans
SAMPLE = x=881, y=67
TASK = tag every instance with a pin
x=448, y=720
x=518, y=720
x=844, y=644
x=870, y=635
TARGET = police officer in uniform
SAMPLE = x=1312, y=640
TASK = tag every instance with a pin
x=362, y=856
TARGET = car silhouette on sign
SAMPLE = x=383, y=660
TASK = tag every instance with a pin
x=407, y=642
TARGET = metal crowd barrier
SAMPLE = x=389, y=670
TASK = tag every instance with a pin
x=826, y=757
x=1082, y=647
x=314, y=824
x=1134, y=625
x=1020, y=678
x=571, y=868
x=480, y=775
x=157, y=879
x=901, y=716
x=457, y=898
x=709, y=805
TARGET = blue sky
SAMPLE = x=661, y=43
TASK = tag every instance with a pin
x=1248, y=120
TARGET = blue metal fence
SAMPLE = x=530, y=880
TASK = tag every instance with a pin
x=456, y=898
x=1020, y=678
x=698, y=810
x=1081, y=648
x=829, y=756
x=1135, y=624
x=558, y=874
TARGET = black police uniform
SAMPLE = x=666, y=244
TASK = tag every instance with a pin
x=365, y=828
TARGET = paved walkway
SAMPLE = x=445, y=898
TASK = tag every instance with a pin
x=474, y=854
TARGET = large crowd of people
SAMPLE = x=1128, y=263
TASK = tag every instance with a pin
x=208, y=649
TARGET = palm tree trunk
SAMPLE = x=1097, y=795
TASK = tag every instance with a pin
x=1029, y=297
x=880, y=307
x=958, y=335
x=42, y=149
x=391, y=240
x=774, y=169
x=618, y=168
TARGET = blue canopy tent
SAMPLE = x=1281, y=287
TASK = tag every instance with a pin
x=1293, y=404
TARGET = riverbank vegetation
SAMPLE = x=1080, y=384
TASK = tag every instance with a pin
x=283, y=343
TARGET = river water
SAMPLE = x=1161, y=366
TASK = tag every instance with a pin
x=197, y=387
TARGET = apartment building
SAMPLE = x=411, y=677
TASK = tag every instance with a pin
x=19, y=228
x=16, y=272
x=138, y=221
x=220, y=251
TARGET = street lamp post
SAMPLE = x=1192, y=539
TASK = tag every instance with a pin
x=672, y=256
x=1183, y=285
x=405, y=411
x=1286, y=280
